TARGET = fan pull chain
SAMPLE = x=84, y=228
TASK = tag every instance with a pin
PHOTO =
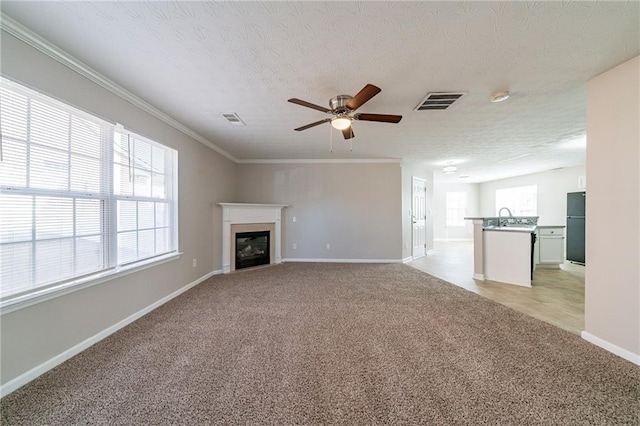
x=351, y=139
x=330, y=139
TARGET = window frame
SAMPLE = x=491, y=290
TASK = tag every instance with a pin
x=111, y=267
x=461, y=223
x=516, y=209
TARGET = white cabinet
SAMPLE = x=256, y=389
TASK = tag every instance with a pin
x=550, y=246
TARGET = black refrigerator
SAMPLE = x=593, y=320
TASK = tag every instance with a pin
x=576, y=202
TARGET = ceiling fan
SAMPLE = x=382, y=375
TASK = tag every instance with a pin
x=342, y=108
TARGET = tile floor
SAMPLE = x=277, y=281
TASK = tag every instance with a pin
x=556, y=295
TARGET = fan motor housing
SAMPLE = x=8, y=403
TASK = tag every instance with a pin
x=338, y=104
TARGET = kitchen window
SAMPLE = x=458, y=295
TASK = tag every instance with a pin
x=79, y=197
x=456, y=209
x=521, y=200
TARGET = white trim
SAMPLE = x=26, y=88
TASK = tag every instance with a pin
x=34, y=40
x=343, y=260
x=15, y=303
x=25, y=378
x=614, y=349
x=407, y=259
x=478, y=277
x=322, y=161
x=453, y=239
x=418, y=257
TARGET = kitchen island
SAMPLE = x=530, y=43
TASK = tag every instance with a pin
x=503, y=249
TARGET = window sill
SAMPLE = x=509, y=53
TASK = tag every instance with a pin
x=22, y=301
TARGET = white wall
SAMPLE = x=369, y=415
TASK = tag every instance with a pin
x=612, y=288
x=409, y=171
x=35, y=334
x=440, y=229
x=354, y=207
x=553, y=187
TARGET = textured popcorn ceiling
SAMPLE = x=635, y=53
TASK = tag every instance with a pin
x=197, y=60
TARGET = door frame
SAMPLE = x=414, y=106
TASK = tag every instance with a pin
x=417, y=222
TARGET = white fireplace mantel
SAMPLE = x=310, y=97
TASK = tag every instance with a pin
x=245, y=214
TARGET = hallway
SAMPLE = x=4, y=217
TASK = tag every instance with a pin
x=556, y=296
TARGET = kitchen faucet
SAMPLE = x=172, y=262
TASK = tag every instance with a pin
x=500, y=215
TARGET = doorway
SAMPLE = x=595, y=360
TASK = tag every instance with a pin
x=418, y=217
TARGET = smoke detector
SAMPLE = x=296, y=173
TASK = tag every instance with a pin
x=500, y=96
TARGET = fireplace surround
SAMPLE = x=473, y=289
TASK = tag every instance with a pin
x=250, y=218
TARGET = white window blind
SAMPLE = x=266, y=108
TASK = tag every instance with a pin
x=75, y=200
x=141, y=170
x=521, y=200
x=456, y=208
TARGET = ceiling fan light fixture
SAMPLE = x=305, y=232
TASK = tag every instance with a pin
x=341, y=122
x=500, y=96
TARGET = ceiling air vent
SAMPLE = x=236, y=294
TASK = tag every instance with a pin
x=234, y=119
x=438, y=100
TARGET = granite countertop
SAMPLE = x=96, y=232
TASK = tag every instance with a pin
x=500, y=217
x=528, y=229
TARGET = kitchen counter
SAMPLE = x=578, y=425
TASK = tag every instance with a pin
x=502, y=248
x=528, y=229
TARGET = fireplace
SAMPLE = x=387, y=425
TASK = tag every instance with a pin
x=252, y=249
x=240, y=218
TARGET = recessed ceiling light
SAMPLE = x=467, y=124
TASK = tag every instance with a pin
x=449, y=170
x=500, y=96
x=464, y=177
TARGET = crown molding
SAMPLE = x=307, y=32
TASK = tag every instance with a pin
x=324, y=161
x=24, y=34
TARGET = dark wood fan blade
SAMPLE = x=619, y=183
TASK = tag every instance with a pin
x=308, y=126
x=308, y=105
x=367, y=92
x=348, y=133
x=384, y=118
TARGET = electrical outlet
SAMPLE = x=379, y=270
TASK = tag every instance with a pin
x=195, y=262
x=294, y=219
x=328, y=246
x=295, y=246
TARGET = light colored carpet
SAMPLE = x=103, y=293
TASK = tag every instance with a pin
x=333, y=344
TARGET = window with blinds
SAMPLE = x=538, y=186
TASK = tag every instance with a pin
x=78, y=195
x=456, y=205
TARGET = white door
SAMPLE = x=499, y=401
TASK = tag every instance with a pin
x=419, y=216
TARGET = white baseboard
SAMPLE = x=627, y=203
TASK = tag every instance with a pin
x=407, y=259
x=25, y=378
x=452, y=239
x=478, y=277
x=614, y=349
x=343, y=260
